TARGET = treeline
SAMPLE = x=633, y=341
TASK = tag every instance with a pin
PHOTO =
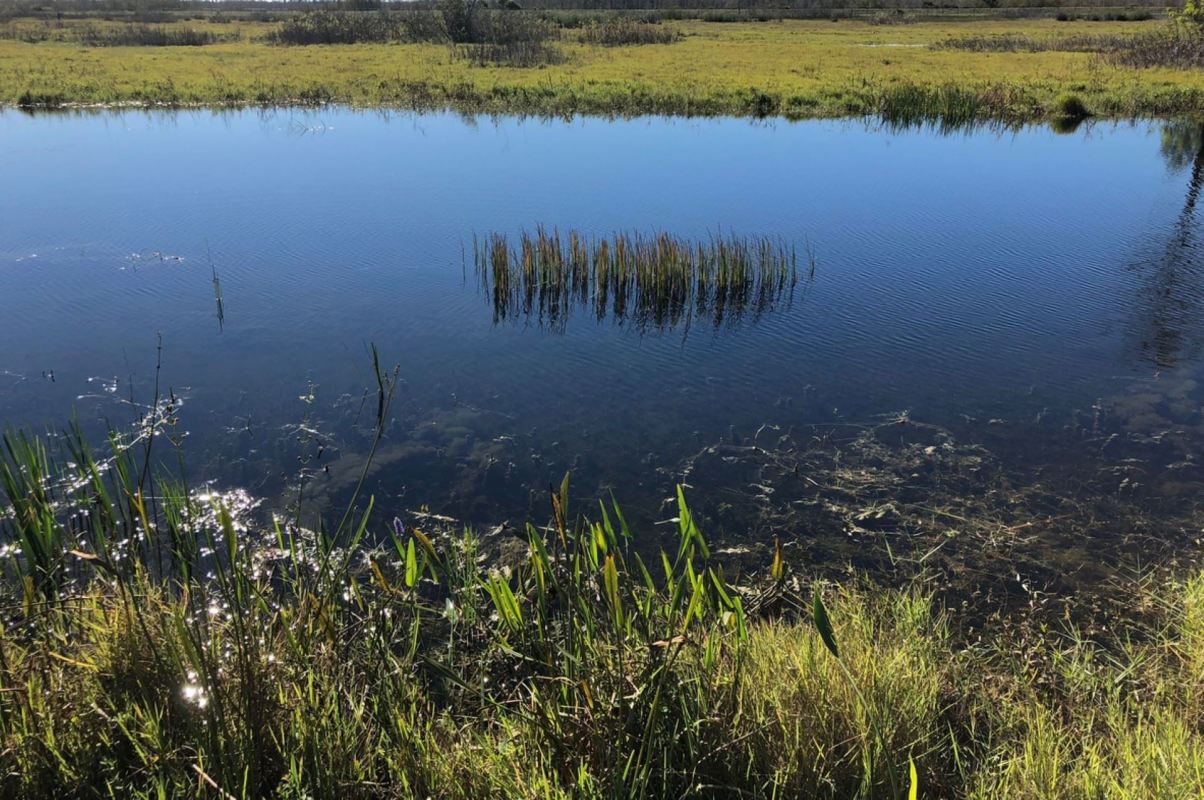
x=278, y=8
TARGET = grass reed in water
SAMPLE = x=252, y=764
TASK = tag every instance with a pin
x=655, y=280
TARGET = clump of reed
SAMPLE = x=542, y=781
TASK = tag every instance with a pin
x=896, y=17
x=622, y=31
x=338, y=26
x=1021, y=43
x=950, y=107
x=147, y=36
x=476, y=33
x=652, y=280
x=509, y=38
x=741, y=15
x=580, y=18
x=1178, y=46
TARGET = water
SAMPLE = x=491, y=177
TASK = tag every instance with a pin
x=1027, y=292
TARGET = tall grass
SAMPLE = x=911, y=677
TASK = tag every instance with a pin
x=621, y=31
x=509, y=38
x=146, y=36
x=1179, y=46
x=1024, y=43
x=335, y=26
x=477, y=34
x=161, y=642
x=650, y=280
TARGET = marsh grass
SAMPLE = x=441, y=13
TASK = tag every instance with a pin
x=1177, y=45
x=652, y=280
x=478, y=35
x=161, y=641
x=148, y=36
x=338, y=26
x=510, y=54
x=90, y=34
x=1023, y=43
x=510, y=38
x=739, y=69
x=622, y=31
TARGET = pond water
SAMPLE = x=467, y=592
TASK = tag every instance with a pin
x=1035, y=297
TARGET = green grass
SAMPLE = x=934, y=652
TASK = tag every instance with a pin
x=160, y=643
x=791, y=68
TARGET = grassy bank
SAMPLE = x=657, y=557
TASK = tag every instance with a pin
x=160, y=642
x=797, y=68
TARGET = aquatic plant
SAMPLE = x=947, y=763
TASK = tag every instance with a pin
x=651, y=280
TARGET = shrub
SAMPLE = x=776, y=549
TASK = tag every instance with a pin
x=1070, y=106
x=1180, y=46
x=458, y=18
x=510, y=38
x=147, y=36
x=329, y=26
x=32, y=99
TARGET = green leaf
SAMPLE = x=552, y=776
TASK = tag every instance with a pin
x=411, y=565
x=819, y=616
x=610, y=577
x=564, y=497
x=778, y=570
x=223, y=516
x=504, y=601
x=688, y=528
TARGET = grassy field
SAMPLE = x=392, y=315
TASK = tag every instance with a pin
x=794, y=68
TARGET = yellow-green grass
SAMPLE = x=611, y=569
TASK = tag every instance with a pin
x=790, y=68
x=104, y=699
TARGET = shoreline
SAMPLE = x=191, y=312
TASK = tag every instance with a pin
x=551, y=106
x=792, y=69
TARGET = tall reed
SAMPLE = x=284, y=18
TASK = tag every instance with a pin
x=652, y=280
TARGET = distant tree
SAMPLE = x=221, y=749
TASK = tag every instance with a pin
x=458, y=18
x=1191, y=14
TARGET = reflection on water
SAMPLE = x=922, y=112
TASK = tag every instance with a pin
x=961, y=387
x=1173, y=294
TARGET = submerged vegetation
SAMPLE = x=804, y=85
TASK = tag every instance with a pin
x=167, y=642
x=650, y=280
